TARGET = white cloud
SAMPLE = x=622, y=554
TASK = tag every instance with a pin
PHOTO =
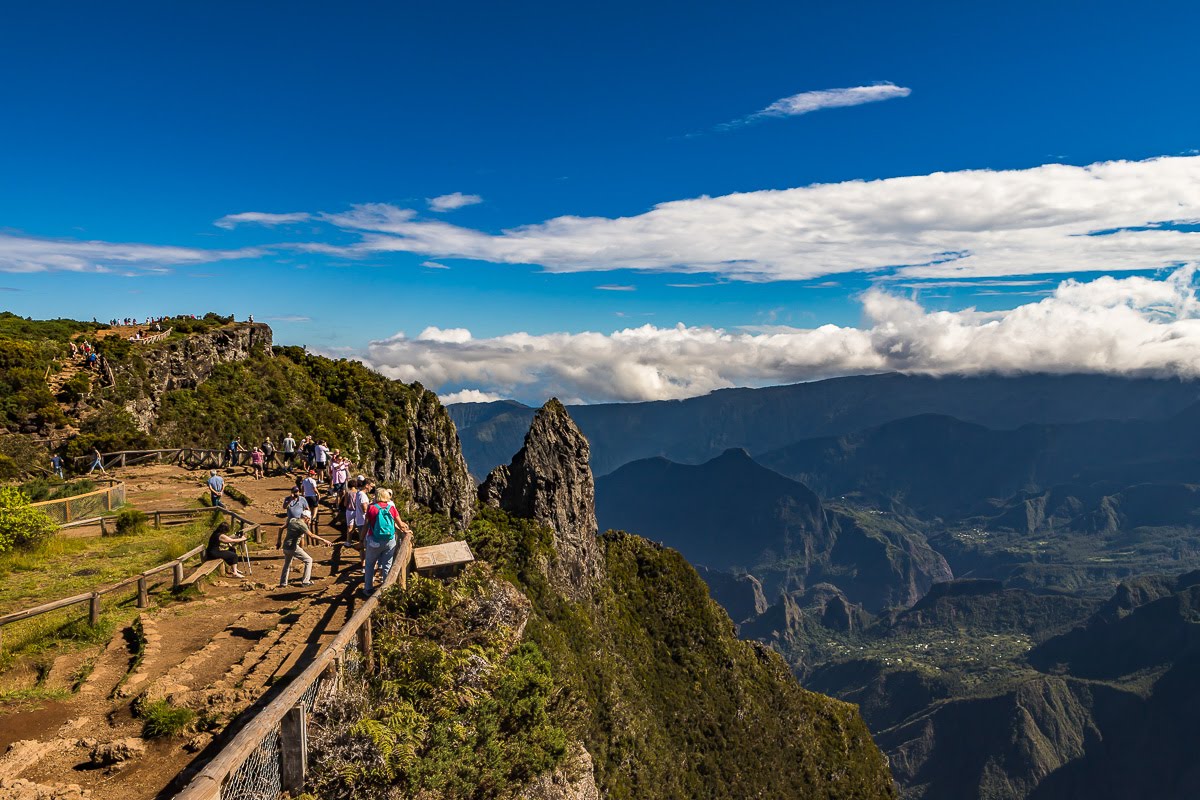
x=1131, y=325
x=616, y=287
x=433, y=265
x=289, y=318
x=1055, y=218
x=449, y=202
x=32, y=254
x=469, y=396
x=807, y=102
x=230, y=221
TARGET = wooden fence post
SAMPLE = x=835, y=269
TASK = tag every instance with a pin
x=364, y=644
x=143, y=592
x=157, y=519
x=94, y=609
x=293, y=749
x=67, y=512
x=177, y=574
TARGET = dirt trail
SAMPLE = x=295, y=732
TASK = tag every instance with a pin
x=216, y=655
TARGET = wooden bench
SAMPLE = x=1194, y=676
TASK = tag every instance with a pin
x=202, y=570
x=442, y=559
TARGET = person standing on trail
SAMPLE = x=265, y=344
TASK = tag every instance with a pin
x=311, y=495
x=297, y=529
x=256, y=463
x=361, y=500
x=339, y=473
x=235, y=447
x=97, y=462
x=321, y=458
x=216, y=488
x=213, y=551
x=56, y=464
x=383, y=521
x=306, y=452
x=268, y=455
x=289, y=452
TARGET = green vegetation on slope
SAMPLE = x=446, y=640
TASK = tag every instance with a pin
x=667, y=700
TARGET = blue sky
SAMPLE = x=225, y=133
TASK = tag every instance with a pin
x=143, y=124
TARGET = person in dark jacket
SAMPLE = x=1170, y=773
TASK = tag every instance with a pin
x=214, y=551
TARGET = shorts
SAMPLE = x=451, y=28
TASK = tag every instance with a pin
x=312, y=503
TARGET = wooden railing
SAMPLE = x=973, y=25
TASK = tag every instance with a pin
x=92, y=598
x=158, y=337
x=276, y=735
x=64, y=508
x=190, y=457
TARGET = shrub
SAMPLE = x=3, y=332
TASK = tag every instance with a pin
x=160, y=718
x=21, y=526
x=131, y=521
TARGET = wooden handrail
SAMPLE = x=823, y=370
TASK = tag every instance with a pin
x=206, y=784
x=111, y=487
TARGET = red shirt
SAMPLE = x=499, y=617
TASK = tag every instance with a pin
x=373, y=514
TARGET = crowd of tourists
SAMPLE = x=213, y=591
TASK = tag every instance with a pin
x=364, y=516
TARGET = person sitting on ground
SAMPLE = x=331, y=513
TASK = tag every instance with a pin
x=97, y=462
x=295, y=533
x=213, y=552
x=216, y=489
x=383, y=521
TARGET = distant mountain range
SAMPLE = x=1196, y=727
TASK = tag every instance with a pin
x=731, y=514
x=761, y=420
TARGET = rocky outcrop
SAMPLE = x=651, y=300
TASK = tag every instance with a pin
x=148, y=371
x=573, y=779
x=429, y=461
x=550, y=482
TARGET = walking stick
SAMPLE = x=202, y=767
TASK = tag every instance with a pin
x=246, y=555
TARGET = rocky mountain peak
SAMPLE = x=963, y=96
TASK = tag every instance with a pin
x=550, y=481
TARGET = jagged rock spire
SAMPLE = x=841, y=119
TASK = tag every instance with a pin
x=550, y=481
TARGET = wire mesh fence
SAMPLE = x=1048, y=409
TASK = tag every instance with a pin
x=80, y=506
x=259, y=777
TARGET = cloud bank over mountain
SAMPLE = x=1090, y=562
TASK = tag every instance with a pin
x=1134, y=326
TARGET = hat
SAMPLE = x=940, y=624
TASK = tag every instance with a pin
x=360, y=478
x=306, y=513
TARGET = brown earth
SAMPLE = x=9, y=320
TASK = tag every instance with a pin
x=217, y=655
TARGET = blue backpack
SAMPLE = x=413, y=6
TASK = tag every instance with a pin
x=385, y=524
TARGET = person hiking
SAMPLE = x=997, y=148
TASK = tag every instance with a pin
x=289, y=451
x=359, y=505
x=294, y=535
x=97, y=462
x=383, y=521
x=256, y=463
x=216, y=489
x=213, y=551
x=235, y=447
x=268, y=455
x=321, y=459
x=56, y=464
x=306, y=452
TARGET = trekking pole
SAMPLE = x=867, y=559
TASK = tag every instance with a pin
x=246, y=554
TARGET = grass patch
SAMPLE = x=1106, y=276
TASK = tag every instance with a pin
x=160, y=718
x=31, y=695
x=62, y=566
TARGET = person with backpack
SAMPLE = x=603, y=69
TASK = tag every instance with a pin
x=235, y=447
x=383, y=521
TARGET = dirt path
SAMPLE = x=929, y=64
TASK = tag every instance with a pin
x=216, y=656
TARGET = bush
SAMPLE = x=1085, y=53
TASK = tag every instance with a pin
x=131, y=521
x=21, y=526
x=160, y=718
